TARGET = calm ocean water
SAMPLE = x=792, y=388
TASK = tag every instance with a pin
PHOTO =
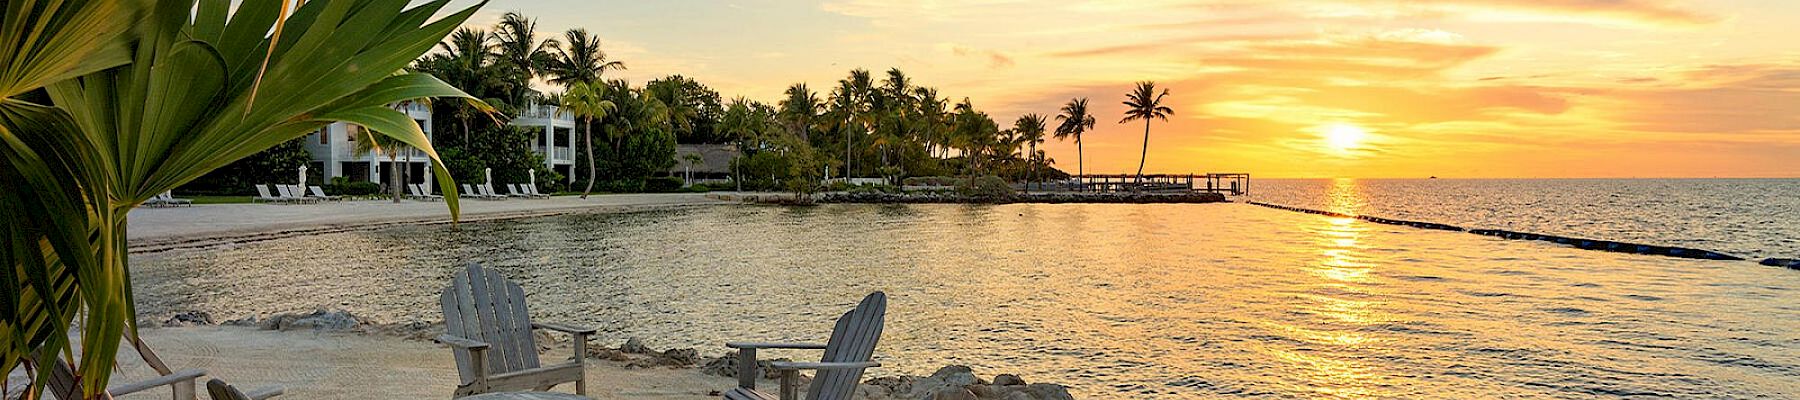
x=1118, y=301
x=1743, y=217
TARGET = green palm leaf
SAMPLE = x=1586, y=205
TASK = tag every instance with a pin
x=139, y=98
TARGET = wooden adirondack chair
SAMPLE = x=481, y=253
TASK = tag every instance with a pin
x=489, y=332
x=847, y=354
x=63, y=385
x=219, y=390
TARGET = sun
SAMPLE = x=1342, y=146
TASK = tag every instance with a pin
x=1344, y=137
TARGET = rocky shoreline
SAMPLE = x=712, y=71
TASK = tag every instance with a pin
x=952, y=382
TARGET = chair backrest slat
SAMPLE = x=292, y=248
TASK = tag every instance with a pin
x=262, y=191
x=853, y=339
x=481, y=304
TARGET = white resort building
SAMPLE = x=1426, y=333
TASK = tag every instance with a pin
x=333, y=151
x=555, y=136
x=333, y=147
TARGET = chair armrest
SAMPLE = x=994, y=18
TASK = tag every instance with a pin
x=266, y=392
x=784, y=365
x=564, y=328
x=755, y=345
x=461, y=342
x=189, y=374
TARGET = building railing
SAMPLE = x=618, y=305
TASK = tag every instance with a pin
x=550, y=112
x=562, y=153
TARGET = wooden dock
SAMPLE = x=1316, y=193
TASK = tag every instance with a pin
x=1235, y=183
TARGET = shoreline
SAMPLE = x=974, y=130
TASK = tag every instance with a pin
x=156, y=230
x=331, y=355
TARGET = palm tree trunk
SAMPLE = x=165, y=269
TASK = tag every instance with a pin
x=394, y=175
x=587, y=129
x=1145, y=153
x=1080, y=167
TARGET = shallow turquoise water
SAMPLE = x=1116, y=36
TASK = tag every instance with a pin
x=1118, y=301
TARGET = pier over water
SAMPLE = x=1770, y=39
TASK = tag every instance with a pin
x=1236, y=184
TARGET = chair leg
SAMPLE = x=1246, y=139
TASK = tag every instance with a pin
x=183, y=390
x=747, y=368
x=790, y=384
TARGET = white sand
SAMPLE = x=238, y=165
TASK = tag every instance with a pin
x=173, y=227
x=311, y=365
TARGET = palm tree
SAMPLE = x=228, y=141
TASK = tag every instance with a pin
x=799, y=109
x=579, y=59
x=370, y=142
x=1146, y=104
x=1075, y=120
x=519, y=49
x=80, y=155
x=1030, y=128
x=588, y=101
x=466, y=61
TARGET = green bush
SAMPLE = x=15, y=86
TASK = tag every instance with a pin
x=873, y=188
x=665, y=184
x=986, y=186
x=341, y=186
x=933, y=181
x=838, y=186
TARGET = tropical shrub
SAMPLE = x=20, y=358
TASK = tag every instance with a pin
x=984, y=187
x=110, y=102
x=275, y=165
x=663, y=184
x=341, y=186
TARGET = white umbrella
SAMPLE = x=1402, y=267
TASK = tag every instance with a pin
x=489, y=172
x=303, y=177
x=426, y=186
x=533, y=175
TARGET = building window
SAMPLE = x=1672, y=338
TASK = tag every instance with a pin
x=324, y=134
x=351, y=131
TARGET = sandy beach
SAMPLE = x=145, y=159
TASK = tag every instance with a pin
x=165, y=228
x=346, y=365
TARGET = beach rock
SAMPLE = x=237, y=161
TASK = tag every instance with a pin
x=1008, y=380
x=1049, y=391
x=681, y=357
x=634, y=346
x=727, y=366
x=321, y=320
x=954, y=393
x=608, y=354
x=245, y=321
x=189, y=318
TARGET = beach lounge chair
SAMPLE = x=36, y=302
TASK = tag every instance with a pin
x=299, y=193
x=165, y=199
x=528, y=190
x=847, y=354
x=489, y=333
x=168, y=198
x=418, y=192
x=319, y=193
x=513, y=190
x=488, y=190
x=473, y=192
x=262, y=195
x=285, y=193
x=63, y=385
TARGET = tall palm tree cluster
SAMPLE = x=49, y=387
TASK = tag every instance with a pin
x=888, y=127
x=891, y=128
x=635, y=128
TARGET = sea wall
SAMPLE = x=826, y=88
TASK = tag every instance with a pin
x=1580, y=243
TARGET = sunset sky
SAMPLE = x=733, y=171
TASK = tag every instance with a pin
x=1289, y=88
